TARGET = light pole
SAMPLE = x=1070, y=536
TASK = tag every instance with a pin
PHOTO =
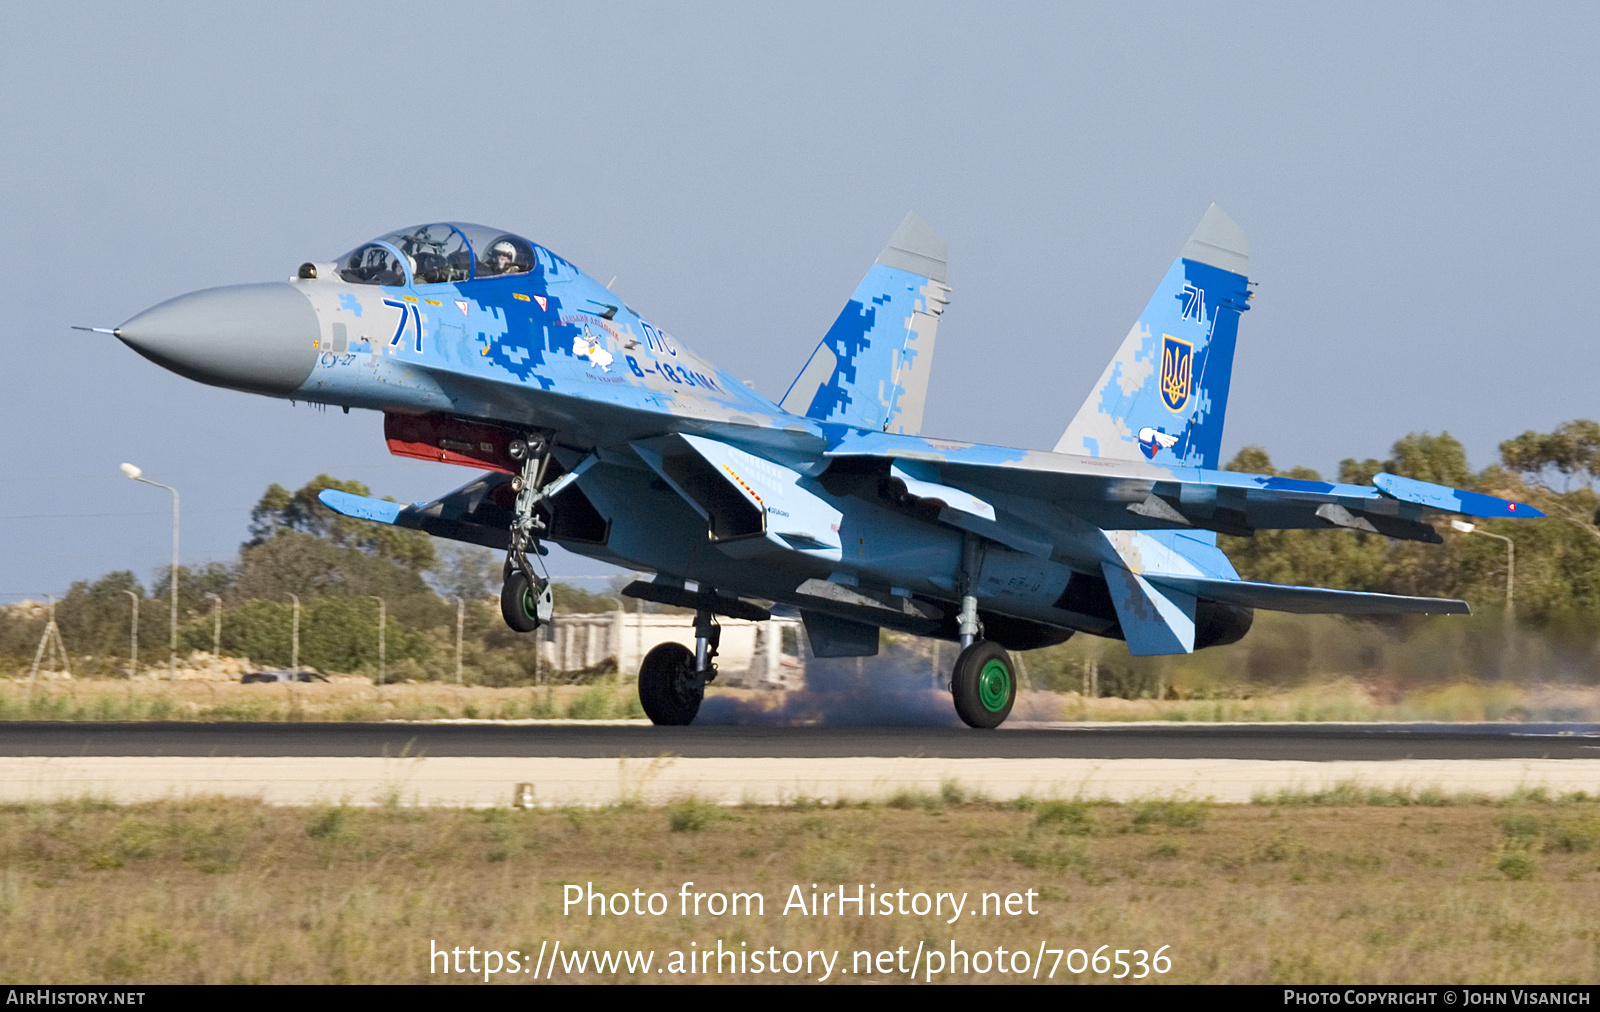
x=216, y=625
x=294, y=640
x=133, y=649
x=138, y=475
x=1511, y=559
x=383, y=621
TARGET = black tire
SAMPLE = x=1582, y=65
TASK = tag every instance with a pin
x=984, y=684
x=518, y=603
x=670, y=689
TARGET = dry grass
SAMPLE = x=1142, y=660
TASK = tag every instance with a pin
x=1310, y=890
x=343, y=700
x=1338, y=700
x=356, y=699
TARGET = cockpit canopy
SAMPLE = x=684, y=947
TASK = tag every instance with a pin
x=437, y=254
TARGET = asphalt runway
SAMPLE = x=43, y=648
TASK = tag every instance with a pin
x=1296, y=742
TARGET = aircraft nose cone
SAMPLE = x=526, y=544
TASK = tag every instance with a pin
x=257, y=338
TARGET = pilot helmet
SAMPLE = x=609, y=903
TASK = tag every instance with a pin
x=503, y=257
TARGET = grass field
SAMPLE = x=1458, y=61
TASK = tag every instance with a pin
x=1341, y=887
x=345, y=700
x=356, y=699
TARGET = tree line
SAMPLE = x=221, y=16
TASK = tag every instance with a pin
x=1557, y=581
x=339, y=568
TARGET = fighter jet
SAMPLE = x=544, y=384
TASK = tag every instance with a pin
x=599, y=431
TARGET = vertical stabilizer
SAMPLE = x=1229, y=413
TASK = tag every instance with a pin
x=871, y=370
x=1164, y=395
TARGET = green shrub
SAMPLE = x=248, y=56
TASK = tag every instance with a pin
x=326, y=823
x=1517, y=865
x=906, y=798
x=1173, y=814
x=1518, y=825
x=1579, y=834
x=595, y=704
x=1070, y=817
x=691, y=815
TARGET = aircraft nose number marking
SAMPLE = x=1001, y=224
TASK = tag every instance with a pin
x=407, y=313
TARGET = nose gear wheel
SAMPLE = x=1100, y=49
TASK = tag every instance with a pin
x=524, y=605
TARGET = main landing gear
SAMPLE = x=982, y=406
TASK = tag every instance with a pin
x=672, y=681
x=525, y=599
x=983, y=684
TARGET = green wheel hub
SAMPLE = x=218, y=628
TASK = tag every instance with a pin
x=530, y=602
x=994, y=686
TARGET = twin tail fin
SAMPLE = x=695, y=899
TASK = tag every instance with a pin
x=1164, y=394
x=871, y=370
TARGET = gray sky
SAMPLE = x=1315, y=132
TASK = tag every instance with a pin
x=1418, y=183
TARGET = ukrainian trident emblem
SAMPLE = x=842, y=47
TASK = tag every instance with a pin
x=1177, y=371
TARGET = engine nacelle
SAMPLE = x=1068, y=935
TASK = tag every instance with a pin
x=1217, y=624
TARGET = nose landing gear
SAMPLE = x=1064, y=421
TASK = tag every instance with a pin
x=525, y=599
x=525, y=604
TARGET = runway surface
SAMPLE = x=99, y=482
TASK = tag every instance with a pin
x=1283, y=742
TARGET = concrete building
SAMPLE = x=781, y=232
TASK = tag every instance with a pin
x=757, y=655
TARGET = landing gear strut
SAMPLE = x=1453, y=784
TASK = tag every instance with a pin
x=672, y=681
x=525, y=600
x=983, y=684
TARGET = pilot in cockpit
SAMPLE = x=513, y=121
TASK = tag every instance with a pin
x=503, y=258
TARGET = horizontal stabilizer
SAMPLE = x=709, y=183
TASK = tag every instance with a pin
x=1309, y=600
x=1450, y=500
x=479, y=512
x=361, y=507
x=457, y=516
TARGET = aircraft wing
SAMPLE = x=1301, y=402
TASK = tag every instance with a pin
x=1158, y=523
x=1134, y=495
x=1308, y=600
